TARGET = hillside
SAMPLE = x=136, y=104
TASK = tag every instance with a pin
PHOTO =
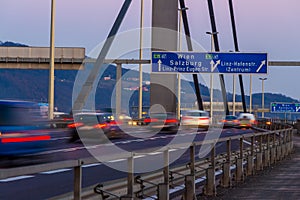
x=33, y=85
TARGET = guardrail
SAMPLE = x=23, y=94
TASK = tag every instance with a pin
x=263, y=149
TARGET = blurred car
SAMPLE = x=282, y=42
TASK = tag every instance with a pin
x=124, y=119
x=162, y=122
x=262, y=121
x=195, y=118
x=88, y=123
x=23, y=130
x=230, y=121
x=61, y=119
x=247, y=120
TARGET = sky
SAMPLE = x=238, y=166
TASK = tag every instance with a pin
x=270, y=26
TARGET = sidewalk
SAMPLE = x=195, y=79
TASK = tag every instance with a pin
x=280, y=181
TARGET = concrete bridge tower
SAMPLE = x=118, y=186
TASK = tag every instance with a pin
x=164, y=37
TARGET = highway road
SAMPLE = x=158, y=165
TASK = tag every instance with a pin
x=52, y=183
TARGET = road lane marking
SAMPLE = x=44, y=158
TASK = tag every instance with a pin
x=15, y=178
x=61, y=138
x=245, y=141
x=55, y=171
x=154, y=153
x=181, y=148
x=140, y=156
x=118, y=160
x=138, y=140
x=92, y=165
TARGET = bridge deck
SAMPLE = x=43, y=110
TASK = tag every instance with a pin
x=39, y=58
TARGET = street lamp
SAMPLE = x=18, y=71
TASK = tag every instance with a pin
x=52, y=56
x=178, y=75
x=233, y=95
x=233, y=92
x=211, y=75
x=250, y=104
x=262, y=95
x=140, y=65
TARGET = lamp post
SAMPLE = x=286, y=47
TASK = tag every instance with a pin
x=233, y=95
x=233, y=92
x=211, y=75
x=51, y=70
x=262, y=96
x=178, y=75
x=140, y=65
x=250, y=104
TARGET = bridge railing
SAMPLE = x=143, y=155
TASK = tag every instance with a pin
x=244, y=155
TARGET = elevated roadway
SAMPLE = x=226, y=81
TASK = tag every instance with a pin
x=70, y=58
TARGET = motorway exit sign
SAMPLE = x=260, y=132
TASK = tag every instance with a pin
x=209, y=62
x=285, y=107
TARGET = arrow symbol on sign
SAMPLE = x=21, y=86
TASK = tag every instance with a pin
x=159, y=65
x=261, y=65
x=213, y=65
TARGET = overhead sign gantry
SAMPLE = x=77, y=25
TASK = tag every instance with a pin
x=209, y=62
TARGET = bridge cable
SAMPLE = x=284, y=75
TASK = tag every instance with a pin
x=237, y=50
x=217, y=48
x=88, y=85
x=190, y=48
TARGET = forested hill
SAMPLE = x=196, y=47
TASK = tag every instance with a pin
x=27, y=84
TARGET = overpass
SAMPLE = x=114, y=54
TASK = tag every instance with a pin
x=66, y=58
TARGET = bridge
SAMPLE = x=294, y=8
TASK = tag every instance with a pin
x=145, y=163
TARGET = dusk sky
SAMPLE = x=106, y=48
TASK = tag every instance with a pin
x=270, y=26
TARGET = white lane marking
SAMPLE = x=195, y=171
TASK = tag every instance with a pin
x=245, y=141
x=61, y=138
x=191, y=133
x=15, y=178
x=154, y=138
x=55, y=171
x=92, y=165
x=140, y=156
x=118, y=160
x=71, y=149
x=163, y=137
x=138, y=140
x=172, y=150
x=108, y=144
x=183, y=148
x=61, y=150
x=154, y=153
x=124, y=142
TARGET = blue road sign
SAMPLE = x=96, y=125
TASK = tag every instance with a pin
x=209, y=62
x=285, y=107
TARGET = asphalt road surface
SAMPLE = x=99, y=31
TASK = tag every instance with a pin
x=53, y=183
